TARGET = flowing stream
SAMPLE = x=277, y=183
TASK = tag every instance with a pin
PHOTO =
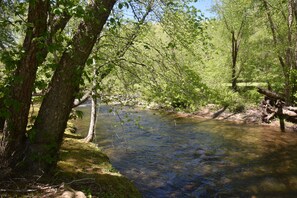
x=168, y=156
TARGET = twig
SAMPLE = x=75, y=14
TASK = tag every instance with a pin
x=18, y=191
x=80, y=180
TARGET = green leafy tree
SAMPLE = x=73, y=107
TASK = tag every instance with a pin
x=236, y=16
x=162, y=65
x=281, y=17
x=42, y=143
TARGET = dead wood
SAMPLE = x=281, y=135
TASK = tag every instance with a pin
x=274, y=106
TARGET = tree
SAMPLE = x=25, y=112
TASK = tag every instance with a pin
x=21, y=86
x=163, y=64
x=42, y=143
x=129, y=37
x=282, y=17
x=235, y=16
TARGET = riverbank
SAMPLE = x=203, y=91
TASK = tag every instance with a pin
x=83, y=171
x=249, y=116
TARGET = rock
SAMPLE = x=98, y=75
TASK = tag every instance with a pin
x=79, y=194
x=72, y=194
x=67, y=194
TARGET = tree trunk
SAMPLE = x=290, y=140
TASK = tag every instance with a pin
x=19, y=98
x=93, y=119
x=47, y=132
x=2, y=118
x=2, y=122
x=235, y=48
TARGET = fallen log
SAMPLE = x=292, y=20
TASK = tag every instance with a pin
x=270, y=94
x=274, y=106
x=290, y=108
x=288, y=112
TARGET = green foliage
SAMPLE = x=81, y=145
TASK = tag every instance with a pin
x=227, y=98
x=75, y=114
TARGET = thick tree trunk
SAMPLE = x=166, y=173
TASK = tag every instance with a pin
x=2, y=122
x=48, y=130
x=38, y=37
x=2, y=118
x=19, y=98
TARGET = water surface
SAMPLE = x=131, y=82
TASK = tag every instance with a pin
x=168, y=156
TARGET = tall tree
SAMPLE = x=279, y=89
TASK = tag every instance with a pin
x=42, y=142
x=51, y=121
x=19, y=96
x=235, y=18
x=281, y=17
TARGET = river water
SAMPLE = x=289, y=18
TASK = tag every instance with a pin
x=168, y=156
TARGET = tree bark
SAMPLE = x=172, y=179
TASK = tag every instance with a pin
x=47, y=132
x=2, y=122
x=270, y=94
x=38, y=37
x=19, y=98
x=2, y=118
x=235, y=48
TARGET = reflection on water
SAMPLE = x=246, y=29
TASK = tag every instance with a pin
x=167, y=156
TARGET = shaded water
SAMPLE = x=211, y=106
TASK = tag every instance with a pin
x=167, y=156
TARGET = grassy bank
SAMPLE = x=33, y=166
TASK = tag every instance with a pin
x=83, y=168
x=85, y=162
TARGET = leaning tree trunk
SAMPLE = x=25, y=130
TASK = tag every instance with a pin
x=92, y=128
x=48, y=130
x=93, y=117
x=20, y=93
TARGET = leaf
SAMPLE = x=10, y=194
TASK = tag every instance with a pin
x=120, y=5
x=146, y=47
x=112, y=20
x=90, y=61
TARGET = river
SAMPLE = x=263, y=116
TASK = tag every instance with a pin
x=169, y=156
